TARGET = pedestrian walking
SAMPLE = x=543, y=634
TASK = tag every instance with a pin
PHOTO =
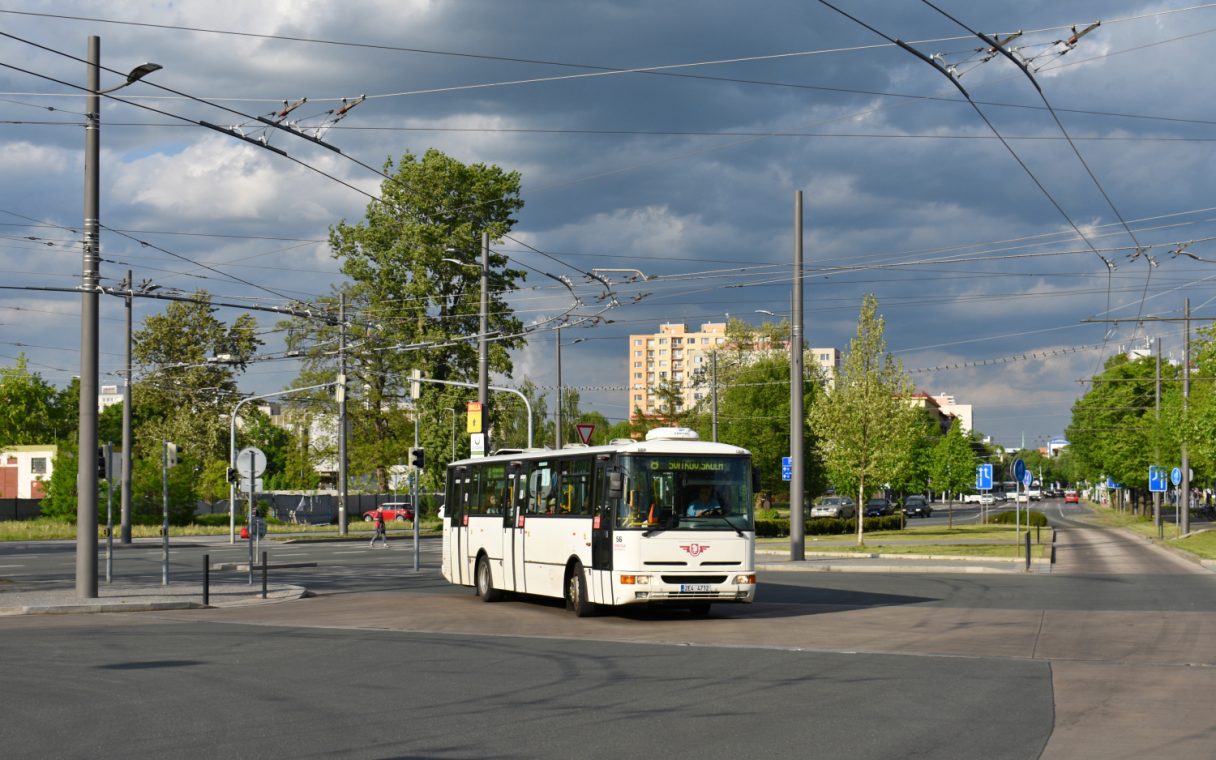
x=380, y=533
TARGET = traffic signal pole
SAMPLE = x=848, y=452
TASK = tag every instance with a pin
x=416, y=461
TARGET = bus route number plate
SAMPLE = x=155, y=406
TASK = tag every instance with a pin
x=695, y=588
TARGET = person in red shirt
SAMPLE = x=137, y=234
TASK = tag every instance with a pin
x=380, y=533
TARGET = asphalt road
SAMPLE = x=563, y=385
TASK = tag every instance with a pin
x=1108, y=656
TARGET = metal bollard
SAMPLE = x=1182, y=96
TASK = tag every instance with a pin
x=206, y=580
x=1027, y=550
x=263, y=575
x=1038, y=534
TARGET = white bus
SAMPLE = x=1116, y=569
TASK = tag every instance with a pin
x=605, y=525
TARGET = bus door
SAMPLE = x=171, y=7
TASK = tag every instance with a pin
x=608, y=490
x=513, y=528
x=455, y=510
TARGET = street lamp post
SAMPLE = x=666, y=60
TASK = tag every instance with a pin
x=86, y=472
x=483, y=359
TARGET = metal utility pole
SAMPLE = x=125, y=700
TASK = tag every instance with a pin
x=483, y=359
x=125, y=498
x=713, y=375
x=86, y=464
x=1184, y=500
x=341, y=393
x=558, y=415
x=797, y=418
x=1156, y=453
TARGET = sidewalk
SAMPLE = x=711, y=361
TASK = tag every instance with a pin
x=144, y=598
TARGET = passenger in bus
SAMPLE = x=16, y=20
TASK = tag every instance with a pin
x=705, y=503
x=493, y=505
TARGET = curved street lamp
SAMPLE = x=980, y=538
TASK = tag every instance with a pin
x=86, y=503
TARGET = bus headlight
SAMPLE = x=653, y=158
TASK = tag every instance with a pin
x=745, y=579
x=635, y=580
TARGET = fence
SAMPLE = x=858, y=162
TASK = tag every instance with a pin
x=322, y=508
x=20, y=509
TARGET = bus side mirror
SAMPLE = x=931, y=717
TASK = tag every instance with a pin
x=756, y=481
x=616, y=485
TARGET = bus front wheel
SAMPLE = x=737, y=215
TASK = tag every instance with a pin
x=576, y=593
x=485, y=584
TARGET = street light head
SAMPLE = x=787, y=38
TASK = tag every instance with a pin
x=141, y=71
x=137, y=73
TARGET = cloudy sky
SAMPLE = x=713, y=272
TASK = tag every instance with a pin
x=666, y=137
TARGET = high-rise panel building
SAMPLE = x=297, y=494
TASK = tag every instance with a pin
x=682, y=358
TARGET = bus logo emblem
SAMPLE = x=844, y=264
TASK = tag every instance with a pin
x=695, y=550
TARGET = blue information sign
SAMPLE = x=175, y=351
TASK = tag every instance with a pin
x=1156, y=479
x=1176, y=476
x=787, y=473
x=983, y=477
x=787, y=461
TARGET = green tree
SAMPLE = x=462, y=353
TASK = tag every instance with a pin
x=952, y=466
x=212, y=487
x=187, y=396
x=754, y=412
x=32, y=411
x=1112, y=431
x=411, y=304
x=513, y=428
x=865, y=423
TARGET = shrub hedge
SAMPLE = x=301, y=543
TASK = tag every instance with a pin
x=826, y=526
x=1037, y=519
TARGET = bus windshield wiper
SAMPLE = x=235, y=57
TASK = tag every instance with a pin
x=726, y=520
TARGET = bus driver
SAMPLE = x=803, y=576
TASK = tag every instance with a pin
x=706, y=503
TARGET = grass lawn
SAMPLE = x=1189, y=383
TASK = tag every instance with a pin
x=962, y=541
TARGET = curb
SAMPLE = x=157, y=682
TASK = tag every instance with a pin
x=798, y=567
x=132, y=604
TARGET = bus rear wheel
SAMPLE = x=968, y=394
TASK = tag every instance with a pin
x=576, y=593
x=485, y=583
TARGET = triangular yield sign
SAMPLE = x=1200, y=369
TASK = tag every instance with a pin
x=584, y=432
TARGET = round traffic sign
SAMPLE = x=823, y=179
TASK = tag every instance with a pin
x=1019, y=469
x=1176, y=475
x=250, y=457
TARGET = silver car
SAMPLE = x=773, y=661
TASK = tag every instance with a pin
x=834, y=506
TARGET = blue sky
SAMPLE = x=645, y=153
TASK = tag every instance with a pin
x=666, y=137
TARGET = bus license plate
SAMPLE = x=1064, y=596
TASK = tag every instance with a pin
x=695, y=588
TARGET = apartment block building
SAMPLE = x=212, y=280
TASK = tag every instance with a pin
x=677, y=355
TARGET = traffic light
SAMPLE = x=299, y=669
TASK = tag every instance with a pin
x=233, y=475
x=103, y=471
x=417, y=458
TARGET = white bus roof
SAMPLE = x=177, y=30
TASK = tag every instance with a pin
x=656, y=446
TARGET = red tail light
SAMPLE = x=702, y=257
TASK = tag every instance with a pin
x=465, y=521
x=595, y=523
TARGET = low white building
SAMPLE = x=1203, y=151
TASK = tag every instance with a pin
x=24, y=471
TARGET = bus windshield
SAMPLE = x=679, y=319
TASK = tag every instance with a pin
x=686, y=493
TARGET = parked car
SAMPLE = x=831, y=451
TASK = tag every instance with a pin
x=834, y=506
x=396, y=510
x=1072, y=497
x=917, y=506
x=987, y=500
x=879, y=507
